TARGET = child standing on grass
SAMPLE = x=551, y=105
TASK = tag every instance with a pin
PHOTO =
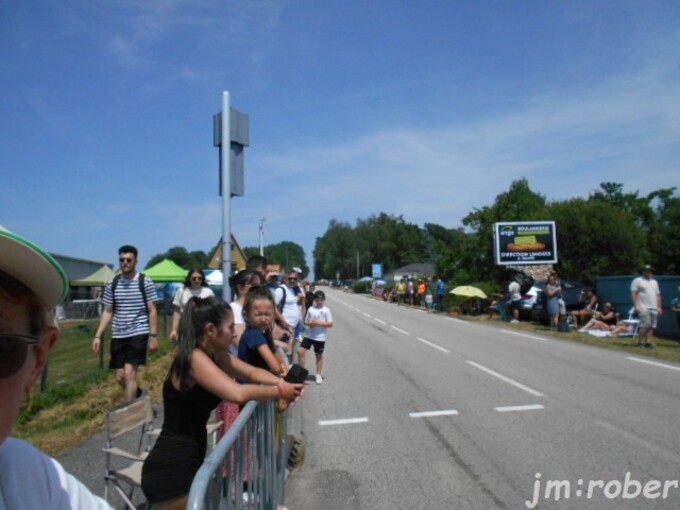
x=318, y=319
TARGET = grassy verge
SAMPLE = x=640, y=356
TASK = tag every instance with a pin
x=667, y=349
x=78, y=392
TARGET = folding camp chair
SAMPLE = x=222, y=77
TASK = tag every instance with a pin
x=127, y=424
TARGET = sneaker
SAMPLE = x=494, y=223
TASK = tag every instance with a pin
x=514, y=321
x=319, y=379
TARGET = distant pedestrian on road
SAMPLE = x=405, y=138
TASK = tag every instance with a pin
x=129, y=302
x=647, y=302
x=318, y=319
x=194, y=286
x=32, y=283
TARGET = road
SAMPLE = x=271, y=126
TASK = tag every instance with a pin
x=424, y=411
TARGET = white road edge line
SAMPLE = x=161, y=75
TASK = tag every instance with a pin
x=380, y=321
x=506, y=379
x=433, y=345
x=508, y=409
x=426, y=414
x=523, y=335
x=348, y=421
x=656, y=364
x=400, y=330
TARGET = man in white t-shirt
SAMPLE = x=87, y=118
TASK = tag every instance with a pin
x=290, y=301
x=647, y=303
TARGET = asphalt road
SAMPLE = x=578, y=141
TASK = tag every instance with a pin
x=423, y=411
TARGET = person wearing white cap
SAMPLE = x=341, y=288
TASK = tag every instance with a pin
x=32, y=283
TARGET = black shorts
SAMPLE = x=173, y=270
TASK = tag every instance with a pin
x=129, y=350
x=514, y=305
x=308, y=342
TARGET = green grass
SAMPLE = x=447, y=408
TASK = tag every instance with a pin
x=78, y=392
x=666, y=348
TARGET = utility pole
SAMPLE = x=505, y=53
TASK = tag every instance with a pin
x=261, y=237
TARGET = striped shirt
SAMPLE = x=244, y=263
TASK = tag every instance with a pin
x=130, y=314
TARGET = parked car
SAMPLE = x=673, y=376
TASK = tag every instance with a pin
x=571, y=294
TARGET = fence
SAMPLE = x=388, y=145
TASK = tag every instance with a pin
x=254, y=450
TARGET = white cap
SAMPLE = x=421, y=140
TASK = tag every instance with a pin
x=33, y=267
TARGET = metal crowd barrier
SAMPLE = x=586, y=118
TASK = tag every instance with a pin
x=253, y=451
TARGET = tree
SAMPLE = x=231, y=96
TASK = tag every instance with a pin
x=519, y=203
x=181, y=257
x=595, y=238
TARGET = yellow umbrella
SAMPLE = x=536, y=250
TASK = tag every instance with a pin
x=468, y=291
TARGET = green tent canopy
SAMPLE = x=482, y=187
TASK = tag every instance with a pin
x=100, y=277
x=166, y=271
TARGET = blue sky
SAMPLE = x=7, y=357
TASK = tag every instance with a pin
x=423, y=109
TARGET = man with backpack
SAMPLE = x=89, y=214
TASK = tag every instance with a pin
x=129, y=302
x=290, y=299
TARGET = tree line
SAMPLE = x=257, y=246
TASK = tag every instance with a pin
x=611, y=232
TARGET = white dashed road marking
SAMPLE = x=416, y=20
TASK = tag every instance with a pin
x=508, y=409
x=348, y=421
x=506, y=379
x=400, y=330
x=433, y=345
x=427, y=414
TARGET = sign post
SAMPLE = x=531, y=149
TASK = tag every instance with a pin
x=231, y=135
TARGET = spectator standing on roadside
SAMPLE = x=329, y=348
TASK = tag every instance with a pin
x=194, y=286
x=318, y=319
x=32, y=283
x=441, y=291
x=258, y=263
x=401, y=292
x=675, y=307
x=648, y=305
x=515, y=300
x=129, y=302
x=553, y=292
x=289, y=302
x=411, y=291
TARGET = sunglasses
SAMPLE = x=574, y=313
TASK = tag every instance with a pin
x=291, y=279
x=197, y=278
x=123, y=260
x=13, y=352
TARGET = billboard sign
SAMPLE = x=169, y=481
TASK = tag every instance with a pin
x=525, y=242
x=377, y=271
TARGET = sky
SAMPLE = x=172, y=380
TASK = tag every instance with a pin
x=424, y=110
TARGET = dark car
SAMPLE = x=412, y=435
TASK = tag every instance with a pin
x=571, y=294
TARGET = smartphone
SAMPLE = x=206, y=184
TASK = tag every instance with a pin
x=296, y=374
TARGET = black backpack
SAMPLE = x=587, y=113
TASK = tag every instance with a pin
x=142, y=289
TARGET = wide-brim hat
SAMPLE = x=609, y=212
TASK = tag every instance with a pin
x=33, y=267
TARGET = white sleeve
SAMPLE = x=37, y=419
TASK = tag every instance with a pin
x=30, y=479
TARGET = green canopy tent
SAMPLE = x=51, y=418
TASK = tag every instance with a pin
x=166, y=271
x=99, y=278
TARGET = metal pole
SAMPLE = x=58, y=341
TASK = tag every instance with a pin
x=262, y=237
x=225, y=167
